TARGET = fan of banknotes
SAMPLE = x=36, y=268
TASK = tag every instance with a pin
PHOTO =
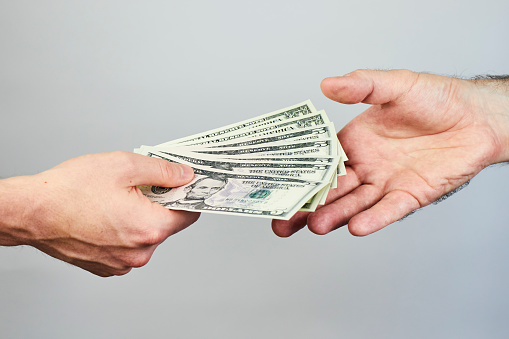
x=270, y=166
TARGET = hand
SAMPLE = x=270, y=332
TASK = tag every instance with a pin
x=88, y=211
x=424, y=136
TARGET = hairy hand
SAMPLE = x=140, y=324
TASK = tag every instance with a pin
x=88, y=211
x=424, y=136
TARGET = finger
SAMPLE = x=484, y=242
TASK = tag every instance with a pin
x=100, y=269
x=145, y=170
x=346, y=184
x=105, y=267
x=394, y=206
x=174, y=221
x=338, y=213
x=137, y=257
x=159, y=222
x=285, y=228
x=368, y=86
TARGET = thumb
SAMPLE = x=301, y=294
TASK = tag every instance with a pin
x=159, y=172
x=369, y=87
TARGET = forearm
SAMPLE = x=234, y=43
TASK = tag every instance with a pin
x=14, y=209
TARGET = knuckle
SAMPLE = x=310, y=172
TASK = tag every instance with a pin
x=359, y=73
x=123, y=271
x=111, y=270
x=103, y=274
x=150, y=237
x=124, y=161
x=405, y=72
x=120, y=267
x=178, y=221
x=168, y=171
x=140, y=259
x=121, y=155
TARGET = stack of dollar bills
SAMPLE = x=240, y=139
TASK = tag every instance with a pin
x=270, y=166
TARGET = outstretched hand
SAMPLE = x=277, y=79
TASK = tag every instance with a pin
x=88, y=211
x=424, y=136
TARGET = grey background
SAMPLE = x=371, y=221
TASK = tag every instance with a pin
x=79, y=77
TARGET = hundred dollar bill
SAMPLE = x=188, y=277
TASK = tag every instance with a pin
x=299, y=110
x=224, y=192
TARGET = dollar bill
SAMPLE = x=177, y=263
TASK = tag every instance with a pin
x=237, y=194
x=322, y=147
x=253, y=131
x=313, y=133
x=311, y=171
x=289, y=113
x=269, y=166
x=308, y=170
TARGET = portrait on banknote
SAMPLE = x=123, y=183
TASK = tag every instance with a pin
x=198, y=192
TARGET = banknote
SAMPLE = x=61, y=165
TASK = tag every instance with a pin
x=317, y=159
x=311, y=171
x=302, y=109
x=325, y=132
x=252, y=131
x=313, y=133
x=322, y=147
x=225, y=192
x=314, y=169
x=269, y=166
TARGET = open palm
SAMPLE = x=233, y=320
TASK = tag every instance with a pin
x=424, y=136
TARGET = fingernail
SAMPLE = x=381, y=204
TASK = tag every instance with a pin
x=186, y=172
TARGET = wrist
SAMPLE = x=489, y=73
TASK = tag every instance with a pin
x=494, y=94
x=15, y=211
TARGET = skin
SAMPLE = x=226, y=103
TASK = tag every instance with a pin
x=88, y=211
x=423, y=137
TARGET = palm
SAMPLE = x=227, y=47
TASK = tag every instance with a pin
x=396, y=148
x=407, y=150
